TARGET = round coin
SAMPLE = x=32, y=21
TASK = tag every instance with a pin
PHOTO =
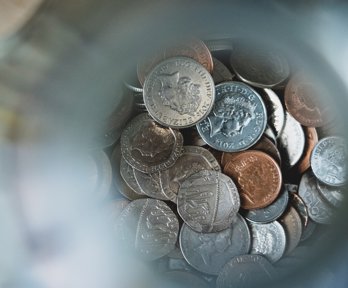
x=149, y=227
x=311, y=140
x=183, y=279
x=300, y=207
x=208, y=201
x=328, y=161
x=209, y=252
x=220, y=72
x=246, y=271
x=334, y=195
x=268, y=240
x=149, y=147
x=127, y=174
x=238, y=118
x=179, y=92
x=257, y=176
x=308, y=230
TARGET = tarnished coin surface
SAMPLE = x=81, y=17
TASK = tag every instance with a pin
x=311, y=137
x=208, y=201
x=292, y=224
x=329, y=161
x=268, y=240
x=259, y=66
x=209, y=252
x=319, y=211
x=270, y=213
x=220, y=72
x=149, y=227
x=291, y=141
x=149, y=147
x=246, y=271
x=179, y=92
x=257, y=176
x=193, y=160
x=183, y=279
x=238, y=118
x=334, y=195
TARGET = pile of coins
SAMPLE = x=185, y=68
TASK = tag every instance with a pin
x=223, y=164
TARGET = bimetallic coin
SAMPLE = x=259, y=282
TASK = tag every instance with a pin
x=334, y=195
x=270, y=213
x=329, y=160
x=268, y=240
x=179, y=92
x=319, y=211
x=246, y=271
x=193, y=160
x=238, y=118
x=209, y=252
x=149, y=227
x=292, y=224
x=220, y=72
x=311, y=140
x=208, y=201
x=183, y=279
x=291, y=141
x=127, y=174
x=149, y=147
x=257, y=176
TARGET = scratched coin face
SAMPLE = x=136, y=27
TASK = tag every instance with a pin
x=149, y=147
x=208, y=201
x=179, y=92
x=237, y=120
x=149, y=228
x=329, y=161
x=209, y=252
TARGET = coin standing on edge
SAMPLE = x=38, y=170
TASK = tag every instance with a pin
x=311, y=136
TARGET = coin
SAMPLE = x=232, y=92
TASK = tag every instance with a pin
x=149, y=147
x=270, y=213
x=268, y=240
x=183, y=279
x=221, y=44
x=193, y=160
x=328, y=161
x=115, y=208
x=308, y=230
x=311, y=140
x=238, y=118
x=179, y=92
x=259, y=66
x=146, y=65
x=270, y=135
x=104, y=173
x=209, y=252
x=220, y=72
x=300, y=207
x=208, y=201
x=292, y=225
x=334, y=195
x=127, y=174
x=149, y=227
x=319, y=211
x=257, y=176
x=246, y=271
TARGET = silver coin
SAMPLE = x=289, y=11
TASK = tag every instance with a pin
x=308, y=230
x=149, y=227
x=127, y=174
x=238, y=118
x=208, y=201
x=271, y=212
x=259, y=66
x=115, y=208
x=328, y=161
x=292, y=224
x=246, y=271
x=275, y=111
x=149, y=147
x=179, y=92
x=269, y=133
x=291, y=188
x=334, y=195
x=209, y=252
x=220, y=72
x=183, y=279
x=319, y=211
x=221, y=44
x=268, y=240
x=133, y=88
x=298, y=203
x=291, y=141
x=193, y=160
x=104, y=173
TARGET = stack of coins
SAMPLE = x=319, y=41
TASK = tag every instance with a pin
x=224, y=167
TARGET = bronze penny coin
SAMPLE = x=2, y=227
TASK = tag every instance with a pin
x=302, y=100
x=257, y=176
x=311, y=140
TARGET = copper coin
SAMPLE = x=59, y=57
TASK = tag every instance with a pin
x=257, y=176
x=311, y=140
x=303, y=101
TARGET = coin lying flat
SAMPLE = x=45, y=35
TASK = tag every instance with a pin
x=311, y=140
x=179, y=92
x=334, y=195
x=208, y=201
x=127, y=174
x=220, y=72
x=257, y=176
x=308, y=230
x=149, y=227
x=328, y=161
x=193, y=160
x=246, y=271
x=238, y=118
x=209, y=252
x=149, y=147
x=183, y=279
x=268, y=240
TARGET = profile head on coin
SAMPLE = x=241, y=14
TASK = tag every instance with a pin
x=179, y=92
x=237, y=120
